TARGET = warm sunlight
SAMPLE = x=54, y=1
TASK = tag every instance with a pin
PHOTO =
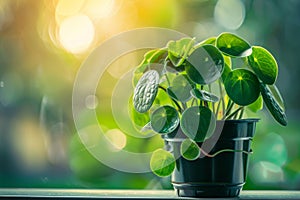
x=76, y=33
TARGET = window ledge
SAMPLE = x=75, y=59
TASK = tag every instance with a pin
x=129, y=194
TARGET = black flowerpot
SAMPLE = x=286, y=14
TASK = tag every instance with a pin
x=222, y=175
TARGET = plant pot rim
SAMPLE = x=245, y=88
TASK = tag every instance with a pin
x=239, y=120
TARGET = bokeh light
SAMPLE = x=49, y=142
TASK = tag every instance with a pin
x=76, y=33
x=117, y=139
x=230, y=13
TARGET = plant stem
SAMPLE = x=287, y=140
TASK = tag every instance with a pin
x=176, y=103
x=222, y=97
x=229, y=107
x=223, y=150
x=234, y=113
x=213, y=103
x=218, y=107
x=241, y=113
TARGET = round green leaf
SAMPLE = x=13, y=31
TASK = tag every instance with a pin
x=263, y=64
x=179, y=50
x=205, y=64
x=164, y=120
x=162, y=163
x=204, y=95
x=211, y=40
x=273, y=105
x=242, y=86
x=198, y=123
x=180, y=88
x=256, y=105
x=189, y=149
x=145, y=91
x=233, y=45
x=227, y=67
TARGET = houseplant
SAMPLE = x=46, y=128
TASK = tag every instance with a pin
x=198, y=95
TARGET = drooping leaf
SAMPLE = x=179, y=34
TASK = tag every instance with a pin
x=164, y=120
x=146, y=91
x=273, y=106
x=205, y=64
x=204, y=95
x=179, y=50
x=189, y=149
x=162, y=163
x=180, y=88
x=233, y=45
x=242, y=86
x=198, y=123
x=263, y=64
x=256, y=105
x=276, y=94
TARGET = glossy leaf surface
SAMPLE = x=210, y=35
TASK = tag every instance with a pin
x=164, y=120
x=145, y=91
x=272, y=105
x=162, y=163
x=204, y=95
x=263, y=64
x=189, y=149
x=180, y=88
x=233, y=45
x=242, y=86
x=198, y=123
x=205, y=64
x=256, y=105
x=179, y=50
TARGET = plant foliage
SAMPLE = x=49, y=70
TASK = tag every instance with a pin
x=203, y=85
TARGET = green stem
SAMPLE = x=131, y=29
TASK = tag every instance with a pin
x=218, y=107
x=229, y=107
x=176, y=103
x=235, y=112
x=223, y=150
x=213, y=103
x=241, y=113
x=222, y=97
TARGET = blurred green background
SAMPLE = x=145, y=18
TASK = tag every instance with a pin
x=43, y=43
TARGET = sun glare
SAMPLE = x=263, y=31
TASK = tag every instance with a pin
x=76, y=33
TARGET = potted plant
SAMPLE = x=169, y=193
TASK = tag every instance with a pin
x=198, y=96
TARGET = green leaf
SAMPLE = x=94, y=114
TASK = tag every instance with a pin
x=211, y=40
x=256, y=105
x=138, y=119
x=153, y=60
x=152, y=56
x=189, y=149
x=205, y=64
x=198, y=123
x=162, y=163
x=180, y=88
x=276, y=94
x=242, y=86
x=146, y=91
x=164, y=120
x=179, y=50
x=204, y=95
x=233, y=45
x=272, y=104
x=263, y=64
